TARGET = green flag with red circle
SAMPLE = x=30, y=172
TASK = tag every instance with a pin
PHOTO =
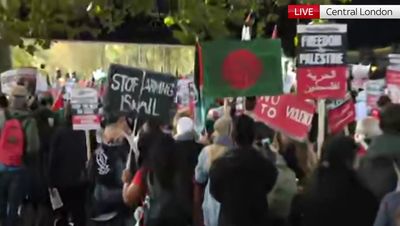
x=242, y=68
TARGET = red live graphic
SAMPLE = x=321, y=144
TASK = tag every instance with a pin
x=303, y=11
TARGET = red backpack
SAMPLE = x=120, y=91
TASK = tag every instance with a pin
x=12, y=143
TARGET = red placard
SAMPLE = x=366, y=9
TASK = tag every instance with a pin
x=287, y=113
x=86, y=122
x=322, y=82
x=393, y=85
x=341, y=116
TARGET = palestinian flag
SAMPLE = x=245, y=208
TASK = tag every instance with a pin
x=202, y=102
x=235, y=68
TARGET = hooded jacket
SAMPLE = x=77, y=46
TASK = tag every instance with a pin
x=240, y=181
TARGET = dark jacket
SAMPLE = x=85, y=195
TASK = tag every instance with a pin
x=107, y=165
x=336, y=197
x=240, y=181
x=188, y=151
x=68, y=156
x=376, y=168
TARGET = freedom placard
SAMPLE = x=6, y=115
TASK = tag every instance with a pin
x=139, y=93
x=322, y=71
x=287, y=113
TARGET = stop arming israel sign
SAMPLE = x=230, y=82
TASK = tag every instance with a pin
x=287, y=113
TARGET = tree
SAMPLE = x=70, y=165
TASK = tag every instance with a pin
x=45, y=20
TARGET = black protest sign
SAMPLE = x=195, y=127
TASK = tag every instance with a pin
x=139, y=93
x=323, y=44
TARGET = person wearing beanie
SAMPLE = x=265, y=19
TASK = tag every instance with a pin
x=188, y=150
x=206, y=207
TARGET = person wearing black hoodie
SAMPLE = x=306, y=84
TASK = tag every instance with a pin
x=47, y=123
x=67, y=171
x=335, y=196
x=241, y=179
x=188, y=151
x=106, y=168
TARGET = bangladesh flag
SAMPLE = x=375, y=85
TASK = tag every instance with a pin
x=242, y=68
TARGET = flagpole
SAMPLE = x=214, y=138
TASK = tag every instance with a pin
x=321, y=126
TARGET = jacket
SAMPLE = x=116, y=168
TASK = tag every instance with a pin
x=388, y=210
x=376, y=167
x=68, y=157
x=240, y=181
x=107, y=165
x=337, y=197
x=188, y=151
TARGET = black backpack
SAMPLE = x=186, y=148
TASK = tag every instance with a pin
x=162, y=206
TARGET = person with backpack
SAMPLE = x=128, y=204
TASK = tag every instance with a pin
x=241, y=179
x=47, y=122
x=19, y=145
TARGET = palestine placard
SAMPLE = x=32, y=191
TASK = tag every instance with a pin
x=139, y=93
x=322, y=71
x=84, y=104
x=287, y=113
x=322, y=82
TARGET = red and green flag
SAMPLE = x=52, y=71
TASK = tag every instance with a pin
x=242, y=68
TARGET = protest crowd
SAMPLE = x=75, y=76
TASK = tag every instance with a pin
x=218, y=149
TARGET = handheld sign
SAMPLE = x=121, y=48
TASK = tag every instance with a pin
x=322, y=71
x=287, y=113
x=84, y=105
x=27, y=76
x=139, y=93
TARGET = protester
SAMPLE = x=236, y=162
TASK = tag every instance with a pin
x=206, y=210
x=188, y=151
x=242, y=178
x=299, y=156
x=67, y=171
x=107, y=166
x=389, y=210
x=47, y=123
x=376, y=168
x=17, y=155
x=285, y=188
x=158, y=180
x=335, y=196
x=366, y=130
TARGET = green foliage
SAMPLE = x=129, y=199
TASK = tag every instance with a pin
x=44, y=18
x=189, y=19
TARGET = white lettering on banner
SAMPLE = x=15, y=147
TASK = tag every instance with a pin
x=149, y=107
x=299, y=116
x=159, y=87
x=268, y=106
x=124, y=83
x=321, y=40
x=321, y=58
